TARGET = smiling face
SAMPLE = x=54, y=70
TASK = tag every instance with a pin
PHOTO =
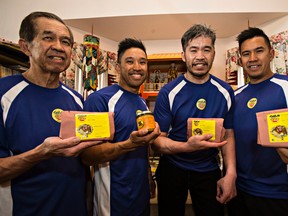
x=199, y=56
x=50, y=50
x=255, y=58
x=133, y=69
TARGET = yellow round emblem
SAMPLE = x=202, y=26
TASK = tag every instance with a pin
x=56, y=114
x=201, y=104
x=140, y=124
x=252, y=103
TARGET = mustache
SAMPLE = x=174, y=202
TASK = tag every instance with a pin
x=199, y=62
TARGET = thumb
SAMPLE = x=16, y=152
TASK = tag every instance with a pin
x=71, y=141
x=207, y=136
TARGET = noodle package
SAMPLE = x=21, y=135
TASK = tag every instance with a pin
x=273, y=128
x=201, y=126
x=87, y=125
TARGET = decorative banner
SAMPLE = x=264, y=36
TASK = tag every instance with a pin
x=102, y=62
x=280, y=44
x=90, y=60
x=113, y=76
x=232, y=66
x=68, y=76
x=77, y=54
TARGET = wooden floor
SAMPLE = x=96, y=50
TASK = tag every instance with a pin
x=188, y=210
x=154, y=210
x=154, y=207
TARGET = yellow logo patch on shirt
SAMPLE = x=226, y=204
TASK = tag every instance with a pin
x=252, y=103
x=56, y=115
x=201, y=104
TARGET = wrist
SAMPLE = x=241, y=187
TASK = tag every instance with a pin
x=127, y=145
x=42, y=151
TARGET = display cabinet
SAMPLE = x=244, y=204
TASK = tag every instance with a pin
x=12, y=59
x=162, y=68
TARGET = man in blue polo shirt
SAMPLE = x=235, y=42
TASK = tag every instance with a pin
x=262, y=179
x=191, y=164
x=47, y=177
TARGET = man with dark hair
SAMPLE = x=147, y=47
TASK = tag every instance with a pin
x=262, y=179
x=47, y=177
x=28, y=28
x=121, y=166
x=190, y=165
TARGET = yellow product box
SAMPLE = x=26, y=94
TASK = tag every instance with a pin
x=91, y=126
x=273, y=128
x=201, y=126
x=277, y=127
x=87, y=125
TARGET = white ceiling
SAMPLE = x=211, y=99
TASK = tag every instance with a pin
x=171, y=26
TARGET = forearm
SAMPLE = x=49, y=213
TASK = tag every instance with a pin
x=283, y=153
x=228, y=153
x=166, y=145
x=106, y=152
x=11, y=167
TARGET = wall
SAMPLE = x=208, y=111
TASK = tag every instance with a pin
x=105, y=44
x=271, y=28
x=13, y=11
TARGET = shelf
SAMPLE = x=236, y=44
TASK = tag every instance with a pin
x=147, y=94
x=165, y=57
x=12, y=57
x=158, y=69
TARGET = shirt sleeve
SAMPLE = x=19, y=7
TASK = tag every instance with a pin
x=4, y=149
x=228, y=120
x=95, y=103
x=162, y=112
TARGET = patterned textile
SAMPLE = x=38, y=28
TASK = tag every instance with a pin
x=68, y=76
x=91, y=53
x=232, y=66
x=113, y=76
x=280, y=44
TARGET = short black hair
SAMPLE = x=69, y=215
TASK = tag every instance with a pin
x=128, y=43
x=252, y=32
x=196, y=31
x=27, y=28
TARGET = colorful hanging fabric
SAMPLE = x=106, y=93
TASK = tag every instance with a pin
x=232, y=65
x=91, y=49
x=280, y=44
x=68, y=76
x=113, y=76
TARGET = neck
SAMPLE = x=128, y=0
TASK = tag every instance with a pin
x=256, y=80
x=129, y=88
x=44, y=80
x=197, y=79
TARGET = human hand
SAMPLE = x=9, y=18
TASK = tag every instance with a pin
x=201, y=142
x=226, y=189
x=144, y=137
x=152, y=189
x=152, y=185
x=70, y=147
x=283, y=153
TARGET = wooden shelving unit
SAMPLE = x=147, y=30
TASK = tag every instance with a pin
x=159, y=65
x=12, y=57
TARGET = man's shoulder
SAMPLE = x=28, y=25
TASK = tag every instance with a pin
x=68, y=88
x=280, y=76
x=8, y=82
x=108, y=90
x=173, y=83
x=220, y=81
x=103, y=94
x=12, y=78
